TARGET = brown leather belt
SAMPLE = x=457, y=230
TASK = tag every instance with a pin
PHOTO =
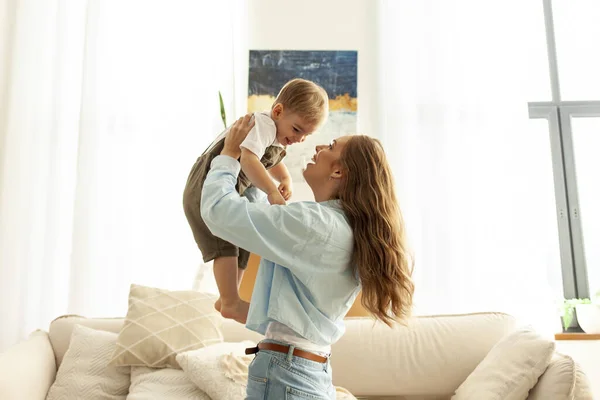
x=285, y=349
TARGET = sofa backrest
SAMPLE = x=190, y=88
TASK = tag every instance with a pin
x=430, y=356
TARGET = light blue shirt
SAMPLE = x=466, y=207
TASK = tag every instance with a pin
x=305, y=279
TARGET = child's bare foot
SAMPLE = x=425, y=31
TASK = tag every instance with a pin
x=218, y=305
x=237, y=310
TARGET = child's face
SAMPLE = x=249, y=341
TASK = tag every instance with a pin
x=291, y=128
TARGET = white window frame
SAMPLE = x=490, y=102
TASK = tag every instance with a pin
x=558, y=113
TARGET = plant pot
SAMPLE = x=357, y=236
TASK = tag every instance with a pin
x=588, y=316
x=573, y=326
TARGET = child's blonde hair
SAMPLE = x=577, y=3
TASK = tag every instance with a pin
x=305, y=98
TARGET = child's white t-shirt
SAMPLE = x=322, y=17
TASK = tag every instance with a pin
x=262, y=135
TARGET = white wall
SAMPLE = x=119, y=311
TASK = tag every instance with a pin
x=318, y=25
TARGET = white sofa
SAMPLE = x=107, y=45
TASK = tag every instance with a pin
x=429, y=359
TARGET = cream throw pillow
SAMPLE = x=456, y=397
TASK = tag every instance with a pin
x=85, y=373
x=160, y=324
x=562, y=380
x=160, y=384
x=221, y=371
x=510, y=369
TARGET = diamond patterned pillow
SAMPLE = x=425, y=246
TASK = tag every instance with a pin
x=160, y=324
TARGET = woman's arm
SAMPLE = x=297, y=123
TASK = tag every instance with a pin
x=274, y=232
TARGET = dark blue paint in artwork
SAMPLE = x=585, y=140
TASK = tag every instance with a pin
x=335, y=71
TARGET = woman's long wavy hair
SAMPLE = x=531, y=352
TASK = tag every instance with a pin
x=381, y=257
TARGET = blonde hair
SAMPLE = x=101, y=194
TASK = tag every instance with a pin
x=305, y=98
x=381, y=257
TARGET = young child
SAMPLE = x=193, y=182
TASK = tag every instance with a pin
x=299, y=109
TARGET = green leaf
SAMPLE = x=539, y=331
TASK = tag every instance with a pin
x=567, y=318
x=223, y=116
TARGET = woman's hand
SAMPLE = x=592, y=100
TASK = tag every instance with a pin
x=236, y=135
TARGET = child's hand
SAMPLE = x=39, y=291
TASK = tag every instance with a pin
x=276, y=198
x=285, y=188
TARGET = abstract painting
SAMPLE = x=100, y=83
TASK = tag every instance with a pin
x=335, y=71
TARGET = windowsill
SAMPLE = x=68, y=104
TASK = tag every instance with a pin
x=577, y=336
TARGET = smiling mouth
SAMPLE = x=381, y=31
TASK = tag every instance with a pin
x=288, y=142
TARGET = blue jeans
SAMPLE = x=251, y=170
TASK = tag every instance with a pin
x=279, y=376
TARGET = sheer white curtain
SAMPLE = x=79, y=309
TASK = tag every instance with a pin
x=105, y=106
x=473, y=172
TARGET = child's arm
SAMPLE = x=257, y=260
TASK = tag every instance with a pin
x=259, y=177
x=281, y=174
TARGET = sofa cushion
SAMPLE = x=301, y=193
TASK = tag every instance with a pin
x=159, y=384
x=431, y=356
x=27, y=369
x=510, y=370
x=161, y=323
x=85, y=373
x=220, y=370
x=563, y=379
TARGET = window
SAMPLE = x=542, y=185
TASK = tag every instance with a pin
x=573, y=117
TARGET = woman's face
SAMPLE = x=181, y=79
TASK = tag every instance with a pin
x=325, y=162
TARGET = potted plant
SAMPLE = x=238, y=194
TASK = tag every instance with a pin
x=588, y=315
x=568, y=314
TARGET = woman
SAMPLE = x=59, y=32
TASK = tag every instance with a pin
x=316, y=257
